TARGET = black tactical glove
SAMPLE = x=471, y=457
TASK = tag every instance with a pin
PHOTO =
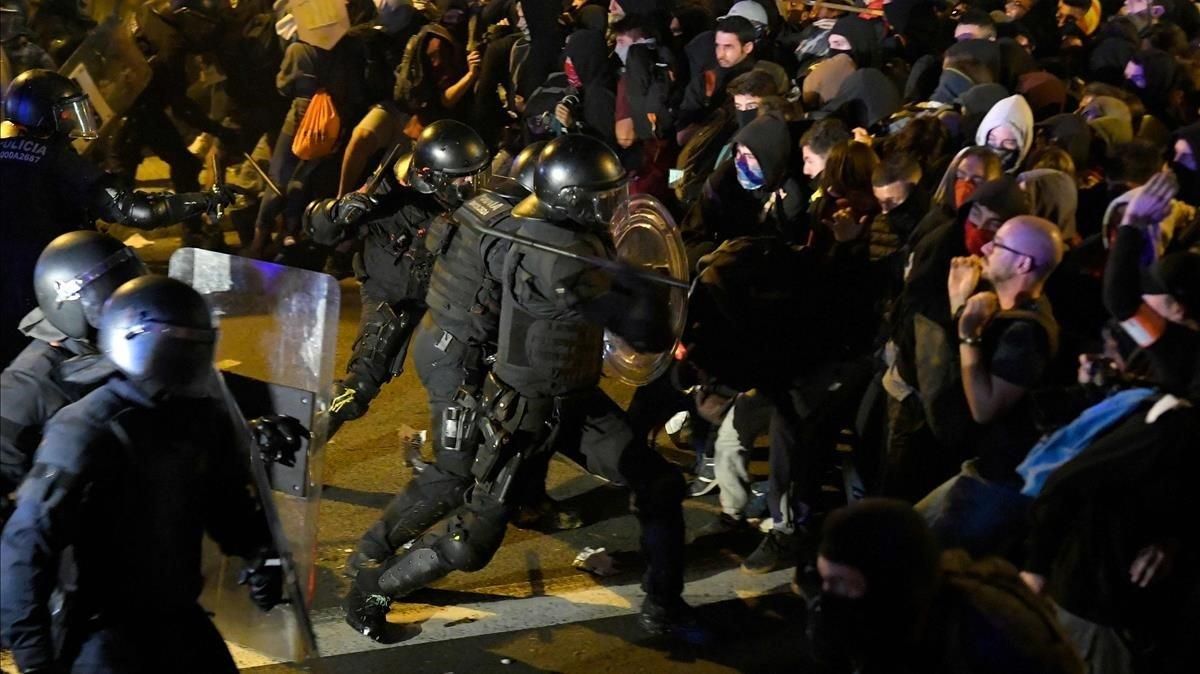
x=646, y=321
x=264, y=578
x=351, y=209
x=221, y=196
x=278, y=438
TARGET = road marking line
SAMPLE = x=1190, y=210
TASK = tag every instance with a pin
x=472, y=619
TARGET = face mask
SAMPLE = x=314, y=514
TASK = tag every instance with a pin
x=572, y=75
x=1140, y=20
x=744, y=117
x=963, y=189
x=976, y=237
x=622, y=52
x=835, y=624
x=748, y=177
x=1008, y=158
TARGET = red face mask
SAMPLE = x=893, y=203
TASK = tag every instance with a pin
x=963, y=189
x=976, y=237
x=572, y=74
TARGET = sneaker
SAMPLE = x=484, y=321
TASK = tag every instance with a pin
x=705, y=481
x=675, y=618
x=367, y=613
x=777, y=551
x=547, y=516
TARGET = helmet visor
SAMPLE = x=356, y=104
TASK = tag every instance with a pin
x=604, y=205
x=75, y=117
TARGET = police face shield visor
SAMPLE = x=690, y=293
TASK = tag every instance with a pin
x=75, y=117
x=603, y=206
x=165, y=360
x=451, y=189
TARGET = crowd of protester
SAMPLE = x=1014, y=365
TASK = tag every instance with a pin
x=999, y=200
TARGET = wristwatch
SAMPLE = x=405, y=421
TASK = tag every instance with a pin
x=976, y=340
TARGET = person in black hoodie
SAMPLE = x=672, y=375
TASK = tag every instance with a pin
x=587, y=68
x=1157, y=79
x=1185, y=154
x=754, y=181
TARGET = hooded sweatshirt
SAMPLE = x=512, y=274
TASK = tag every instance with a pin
x=976, y=102
x=1189, y=179
x=867, y=96
x=1053, y=196
x=1015, y=113
x=864, y=40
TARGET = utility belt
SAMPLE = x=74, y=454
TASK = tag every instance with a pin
x=506, y=427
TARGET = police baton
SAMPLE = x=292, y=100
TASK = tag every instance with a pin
x=380, y=171
x=601, y=262
x=263, y=174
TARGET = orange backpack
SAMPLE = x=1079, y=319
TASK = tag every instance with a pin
x=318, y=133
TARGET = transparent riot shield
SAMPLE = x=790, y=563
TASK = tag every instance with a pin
x=278, y=332
x=111, y=70
x=646, y=236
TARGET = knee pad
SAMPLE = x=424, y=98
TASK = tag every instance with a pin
x=412, y=571
x=471, y=541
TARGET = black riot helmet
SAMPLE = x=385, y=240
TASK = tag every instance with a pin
x=447, y=161
x=524, y=165
x=577, y=178
x=46, y=103
x=74, y=276
x=159, y=332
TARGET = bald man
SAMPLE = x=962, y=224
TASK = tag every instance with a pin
x=1007, y=338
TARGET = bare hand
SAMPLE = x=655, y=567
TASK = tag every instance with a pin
x=473, y=60
x=979, y=310
x=1153, y=203
x=861, y=136
x=964, y=278
x=1036, y=583
x=1150, y=564
x=845, y=226
x=563, y=114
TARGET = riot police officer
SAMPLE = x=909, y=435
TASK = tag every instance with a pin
x=394, y=267
x=131, y=477
x=49, y=189
x=76, y=273
x=449, y=347
x=553, y=312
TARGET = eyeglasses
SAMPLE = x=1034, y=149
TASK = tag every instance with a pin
x=995, y=243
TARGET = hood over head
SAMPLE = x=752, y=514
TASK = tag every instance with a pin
x=863, y=38
x=1015, y=113
x=867, y=96
x=588, y=51
x=1053, y=196
x=768, y=140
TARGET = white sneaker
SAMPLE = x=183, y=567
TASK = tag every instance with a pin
x=675, y=423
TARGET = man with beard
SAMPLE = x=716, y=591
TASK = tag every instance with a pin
x=1007, y=339
x=733, y=43
x=891, y=602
